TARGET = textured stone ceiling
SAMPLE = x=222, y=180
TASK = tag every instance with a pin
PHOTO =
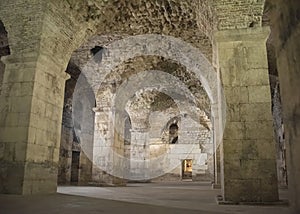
x=192, y=21
x=139, y=16
x=146, y=63
x=152, y=100
x=143, y=63
x=116, y=20
x=136, y=17
x=171, y=17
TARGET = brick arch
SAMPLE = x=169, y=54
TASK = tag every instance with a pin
x=139, y=64
x=166, y=47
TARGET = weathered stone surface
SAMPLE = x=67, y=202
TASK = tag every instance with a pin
x=33, y=86
x=45, y=33
x=244, y=166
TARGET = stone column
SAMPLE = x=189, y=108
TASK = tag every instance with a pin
x=217, y=178
x=30, y=124
x=139, y=154
x=102, y=150
x=249, y=154
x=216, y=141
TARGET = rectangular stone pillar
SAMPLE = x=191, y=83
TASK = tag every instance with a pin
x=139, y=155
x=217, y=177
x=249, y=154
x=217, y=139
x=30, y=124
x=102, y=149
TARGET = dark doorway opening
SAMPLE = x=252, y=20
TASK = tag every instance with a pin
x=173, y=134
x=4, y=51
x=75, y=167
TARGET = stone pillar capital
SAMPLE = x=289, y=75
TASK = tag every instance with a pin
x=248, y=34
x=101, y=109
x=139, y=130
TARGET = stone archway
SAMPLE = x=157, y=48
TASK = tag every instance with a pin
x=63, y=27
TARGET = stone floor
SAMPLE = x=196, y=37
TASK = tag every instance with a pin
x=185, y=197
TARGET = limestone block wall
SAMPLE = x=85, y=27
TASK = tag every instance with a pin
x=140, y=167
x=102, y=152
x=34, y=87
x=249, y=171
x=194, y=142
x=108, y=149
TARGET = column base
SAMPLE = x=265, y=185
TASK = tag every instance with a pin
x=28, y=178
x=220, y=201
x=216, y=186
x=96, y=184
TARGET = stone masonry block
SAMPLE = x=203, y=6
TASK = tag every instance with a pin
x=234, y=131
x=236, y=95
x=255, y=77
x=255, y=112
x=259, y=130
x=259, y=94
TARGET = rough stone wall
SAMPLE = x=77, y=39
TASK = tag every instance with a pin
x=206, y=17
x=175, y=18
x=276, y=101
x=279, y=131
x=233, y=14
x=286, y=31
